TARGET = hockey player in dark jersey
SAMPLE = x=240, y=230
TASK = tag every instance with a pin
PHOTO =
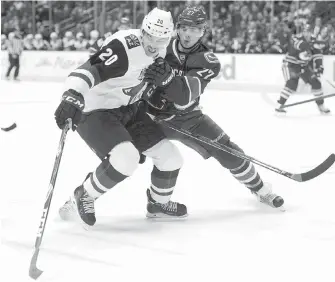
x=303, y=61
x=176, y=100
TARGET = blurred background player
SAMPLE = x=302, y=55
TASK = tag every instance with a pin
x=80, y=43
x=94, y=46
x=55, y=42
x=303, y=61
x=68, y=41
x=91, y=44
x=177, y=101
x=40, y=44
x=14, y=48
x=28, y=42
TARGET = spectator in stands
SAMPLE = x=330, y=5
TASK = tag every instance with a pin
x=80, y=43
x=55, y=42
x=68, y=41
x=124, y=24
x=28, y=42
x=39, y=43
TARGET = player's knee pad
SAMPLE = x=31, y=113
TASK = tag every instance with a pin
x=124, y=157
x=292, y=83
x=165, y=156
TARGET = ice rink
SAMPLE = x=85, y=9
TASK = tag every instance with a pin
x=228, y=236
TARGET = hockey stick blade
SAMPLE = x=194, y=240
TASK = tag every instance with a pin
x=9, y=128
x=315, y=172
x=34, y=272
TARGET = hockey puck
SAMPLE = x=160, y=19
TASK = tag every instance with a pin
x=9, y=128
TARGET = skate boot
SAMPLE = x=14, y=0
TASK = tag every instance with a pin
x=67, y=211
x=323, y=109
x=266, y=196
x=84, y=205
x=169, y=210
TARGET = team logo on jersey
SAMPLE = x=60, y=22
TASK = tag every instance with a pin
x=182, y=57
x=211, y=58
x=132, y=41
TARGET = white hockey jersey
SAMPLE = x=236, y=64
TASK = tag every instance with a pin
x=111, y=77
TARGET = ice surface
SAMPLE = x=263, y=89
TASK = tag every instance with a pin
x=228, y=235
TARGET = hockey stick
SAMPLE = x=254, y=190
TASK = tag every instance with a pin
x=307, y=101
x=9, y=128
x=300, y=177
x=34, y=272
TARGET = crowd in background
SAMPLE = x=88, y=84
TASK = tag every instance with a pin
x=234, y=26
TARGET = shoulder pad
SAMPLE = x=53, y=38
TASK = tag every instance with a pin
x=203, y=59
x=132, y=41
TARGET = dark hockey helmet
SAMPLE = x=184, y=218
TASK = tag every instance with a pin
x=193, y=16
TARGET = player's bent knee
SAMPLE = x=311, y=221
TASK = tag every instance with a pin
x=292, y=83
x=165, y=156
x=124, y=157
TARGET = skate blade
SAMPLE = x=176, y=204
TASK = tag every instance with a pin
x=282, y=208
x=164, y=217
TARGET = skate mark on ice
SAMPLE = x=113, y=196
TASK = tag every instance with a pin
x=30, y=247
x=119, y=242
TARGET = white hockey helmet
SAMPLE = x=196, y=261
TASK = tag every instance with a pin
x=38, y=36
x=68, y=34
x=94, y=34
x=53, y=35
x=79, y=35
x=11, y=35
x=158, y=23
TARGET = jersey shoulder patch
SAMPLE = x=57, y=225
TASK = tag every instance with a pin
x=132, y=41
x=211, y=58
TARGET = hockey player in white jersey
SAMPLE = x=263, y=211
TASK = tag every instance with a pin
x=98, y=98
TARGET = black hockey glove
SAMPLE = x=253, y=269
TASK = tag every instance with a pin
x=71, y=106
x=319, y=71
x=159, y=73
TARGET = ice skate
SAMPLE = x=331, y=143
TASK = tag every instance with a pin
x=84, y=205
x=266, y=196
x=279, y=109
x=169, y=210
x=323, y=109
x=67, y=211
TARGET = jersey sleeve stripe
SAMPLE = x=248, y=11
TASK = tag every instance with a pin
x=194, y=86
x=83, y=77
x=77, y=84
x=88, y=74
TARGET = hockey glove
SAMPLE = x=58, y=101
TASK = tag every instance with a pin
x=159, y=73
x=319, y=71
x=71, y=106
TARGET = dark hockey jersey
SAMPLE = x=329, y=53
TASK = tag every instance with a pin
x=318, y=47
x=299, y=51
x=193, y=71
